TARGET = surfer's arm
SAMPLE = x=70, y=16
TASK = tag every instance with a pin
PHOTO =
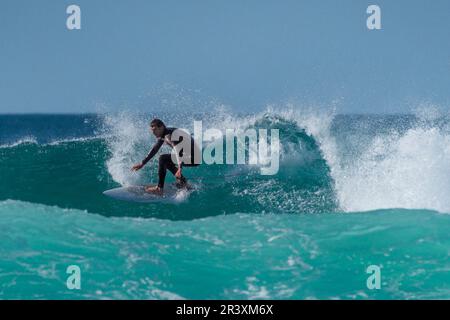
x=177, y=153
x=152, y=152
x=180, y=164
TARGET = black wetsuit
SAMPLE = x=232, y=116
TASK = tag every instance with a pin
x=165, y=160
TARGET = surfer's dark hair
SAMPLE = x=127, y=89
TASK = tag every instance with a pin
x=158, y=123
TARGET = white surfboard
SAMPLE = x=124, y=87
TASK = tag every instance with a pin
x=138, y=194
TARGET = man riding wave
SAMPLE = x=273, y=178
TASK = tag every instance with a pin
x=183, y=159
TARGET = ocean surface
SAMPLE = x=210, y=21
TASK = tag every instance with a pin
x=352, y=191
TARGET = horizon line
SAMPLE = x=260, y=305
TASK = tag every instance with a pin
x=103, y=113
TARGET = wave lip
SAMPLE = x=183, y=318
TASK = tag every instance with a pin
x=24, y=140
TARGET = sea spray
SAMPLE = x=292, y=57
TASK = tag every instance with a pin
x=127, y=133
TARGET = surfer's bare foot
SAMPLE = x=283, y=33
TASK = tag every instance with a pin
x=155, y=190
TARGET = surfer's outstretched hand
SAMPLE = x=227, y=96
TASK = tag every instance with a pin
x=137, y=167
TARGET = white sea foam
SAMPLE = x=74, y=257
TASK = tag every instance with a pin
x=34, y=140
x=24, y=140
x=395, y=170
x=81, y=139
x=398, y=171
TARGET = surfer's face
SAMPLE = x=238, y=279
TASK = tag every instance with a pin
x=157, y=131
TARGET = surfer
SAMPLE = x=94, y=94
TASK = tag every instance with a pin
x=164, y=134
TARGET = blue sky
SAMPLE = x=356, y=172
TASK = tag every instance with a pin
x=148, y=54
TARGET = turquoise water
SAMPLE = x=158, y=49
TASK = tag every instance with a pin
x=352, y=191
x=239, y=256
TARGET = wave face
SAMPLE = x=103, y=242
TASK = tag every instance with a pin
x=240, y=234
x=74, y=173
x=328, y=163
